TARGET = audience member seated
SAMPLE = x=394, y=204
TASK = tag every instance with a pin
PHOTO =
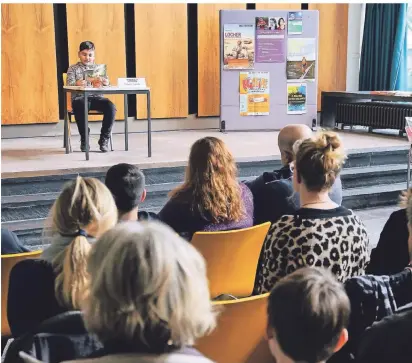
x=388, y=340
x=320, y=233
x=127, y=184
x=148, y=297
x=10, y=243
x=62, y=337
x=273, y=194
x=210, y=199
x=308, y=313
x=391, y=253
x=42, y=289
x=373, y=298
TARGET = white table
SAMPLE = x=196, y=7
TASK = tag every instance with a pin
x=113, y=90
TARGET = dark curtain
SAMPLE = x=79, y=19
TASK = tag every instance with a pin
x=384, y=48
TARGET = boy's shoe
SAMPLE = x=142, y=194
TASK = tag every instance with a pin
x=83, y=145
x=104, y=144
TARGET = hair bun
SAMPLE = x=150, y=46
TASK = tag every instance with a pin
x=329, y=141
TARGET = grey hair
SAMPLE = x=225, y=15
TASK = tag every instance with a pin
x=148, y=286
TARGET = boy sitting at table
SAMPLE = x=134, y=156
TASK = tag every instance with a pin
x=76, y=77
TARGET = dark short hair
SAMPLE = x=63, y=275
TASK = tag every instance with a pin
x=127, y=183
x=308, y=310
x=86, y=45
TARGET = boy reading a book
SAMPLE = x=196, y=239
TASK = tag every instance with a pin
x=77, y=75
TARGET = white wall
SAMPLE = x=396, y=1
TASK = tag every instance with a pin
x=356, y=17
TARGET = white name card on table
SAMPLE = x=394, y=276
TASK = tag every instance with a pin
x=132, y=82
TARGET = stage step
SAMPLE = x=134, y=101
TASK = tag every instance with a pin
x=34, y=206
x=370, y=179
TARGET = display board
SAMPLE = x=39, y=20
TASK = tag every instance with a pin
x=269, y=68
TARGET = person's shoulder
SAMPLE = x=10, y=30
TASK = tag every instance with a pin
x=389, y=337
x=399, y=215
x=283, y=221
x=10, y=243
x=32, y=269
x=73, y=66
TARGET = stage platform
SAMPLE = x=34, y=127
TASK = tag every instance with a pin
x=40, y=156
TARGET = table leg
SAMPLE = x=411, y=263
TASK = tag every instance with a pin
x=126, y=125
x=149, y=127
x=66, y=134
x=86, y=123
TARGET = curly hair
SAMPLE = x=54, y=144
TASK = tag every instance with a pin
x=210, y=185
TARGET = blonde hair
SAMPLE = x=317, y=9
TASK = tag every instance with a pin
x=148, y=286
x=84, y=202
x=319, y=160
x=210, y=186
x=406, y=202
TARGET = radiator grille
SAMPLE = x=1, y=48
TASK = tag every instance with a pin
x=379, y=115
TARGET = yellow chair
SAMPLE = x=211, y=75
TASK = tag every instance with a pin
x=240, y=333
x=232, y=258
x=7, y=263
x=70, y=114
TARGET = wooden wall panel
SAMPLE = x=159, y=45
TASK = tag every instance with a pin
x=104, y=25
x=208, y=56
x=276, y=6
x=28, y=64
x=161, y=57
x=333, y=47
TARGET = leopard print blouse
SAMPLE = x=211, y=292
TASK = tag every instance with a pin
x=334, y=239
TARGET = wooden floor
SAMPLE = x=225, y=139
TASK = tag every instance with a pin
x=45, y=155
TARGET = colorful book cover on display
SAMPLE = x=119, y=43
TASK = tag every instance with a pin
x=254, y=93
x=270, y=39
x=238, y=46
x=301, y=59
x=295, y=23
x=296, y=98
x=97, y=70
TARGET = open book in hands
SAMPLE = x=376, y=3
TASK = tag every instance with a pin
x=94, y=75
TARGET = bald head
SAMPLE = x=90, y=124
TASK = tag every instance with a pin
x=288, y=136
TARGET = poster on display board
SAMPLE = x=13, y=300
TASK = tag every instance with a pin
x=295, y=23
x=270, y=39
x=254, y=93
x=238, y=46
x=296, y=98
x=301, y=59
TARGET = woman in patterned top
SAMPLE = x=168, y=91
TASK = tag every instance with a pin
x=320, y=233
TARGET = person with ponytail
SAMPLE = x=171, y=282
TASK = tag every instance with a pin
x=320, y=233
x=57, y=282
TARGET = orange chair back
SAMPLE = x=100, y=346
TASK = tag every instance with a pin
x=232, y=258
x=239, y=336
x=7, y=263
x=68, y=95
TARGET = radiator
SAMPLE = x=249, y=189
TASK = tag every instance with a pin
x=378, y=115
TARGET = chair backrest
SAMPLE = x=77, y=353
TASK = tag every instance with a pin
x=232, y=258
x=239, y=336
x=7, y=263
x=68, y=95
